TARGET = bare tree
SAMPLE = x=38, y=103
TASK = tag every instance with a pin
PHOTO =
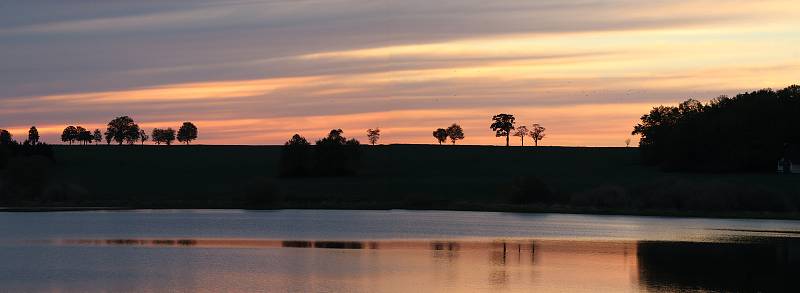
x=627, y=142
x=522, y=132
x=455, y=133
x=537, y=133
x=373, y=135
x=503, y=124
x=440, y=135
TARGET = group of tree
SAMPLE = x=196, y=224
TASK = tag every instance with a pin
x=333, y=155
x=745, y=133
x=79, y=134
x=454, y=133
x=125, y=130
x=503, y=124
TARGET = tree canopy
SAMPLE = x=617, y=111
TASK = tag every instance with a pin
x=455, y=133
x=440, y=134
x=33, y=135
x=373, y=135
x=745, y=133
x=122, y=129
x=5, y=137
x=83, y=136
x=165, y=136
x=502, y=124
x=97, y=136
x=537, y=133
x=187, y=132
x=70, y=134
x=522, y=132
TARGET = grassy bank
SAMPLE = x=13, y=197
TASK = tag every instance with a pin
x=594, y=180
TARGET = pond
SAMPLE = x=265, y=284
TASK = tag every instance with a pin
x=391, y=251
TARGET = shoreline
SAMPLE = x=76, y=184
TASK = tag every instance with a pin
x=455, y=207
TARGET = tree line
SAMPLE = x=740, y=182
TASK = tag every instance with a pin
x=748, y=132
x=123, y=130
x=120, y=130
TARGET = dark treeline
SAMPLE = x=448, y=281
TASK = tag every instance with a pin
x=748, y=132
x=124, y=130
x=23, y=167
x=333, y=155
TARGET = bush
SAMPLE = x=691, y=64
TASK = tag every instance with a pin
x=527, y=190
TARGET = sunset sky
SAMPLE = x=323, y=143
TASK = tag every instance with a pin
x=255, y=72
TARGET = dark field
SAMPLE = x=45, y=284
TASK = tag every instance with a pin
x=601, y=180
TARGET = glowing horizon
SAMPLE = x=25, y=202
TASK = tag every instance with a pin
x=256, y=72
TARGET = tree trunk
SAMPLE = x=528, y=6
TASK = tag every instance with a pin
x=507, y=136
x=522, y=140
x=536, y=142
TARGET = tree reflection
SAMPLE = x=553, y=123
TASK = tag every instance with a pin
x=768, y=265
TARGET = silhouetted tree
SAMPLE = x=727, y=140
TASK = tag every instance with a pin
x=744, y=133
x=627, y=142
x=166, y=136
x=455, y=133
x=108, y=136
x=122, y=129
x=133, y=137
x=296, y=157
x=143, y=136
x=187, y=132
x=522, y=132
x=70, y=134
x=537, y=133
x=373, y=135
x=440, y=135
x=503, y=124
x=335, y=155
x=97, y=136
x=33, y=135
x=5, y=137
x=84, y=136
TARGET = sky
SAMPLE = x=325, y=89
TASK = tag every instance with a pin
x=256, y=72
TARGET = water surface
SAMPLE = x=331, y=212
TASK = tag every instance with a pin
x=391, y=251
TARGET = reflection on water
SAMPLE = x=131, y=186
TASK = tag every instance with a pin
x=757, y=264
x=766, y=265
x=391, y=251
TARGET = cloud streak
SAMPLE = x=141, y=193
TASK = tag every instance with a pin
x=269, y=67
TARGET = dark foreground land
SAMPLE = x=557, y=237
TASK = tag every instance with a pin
x=559, y=179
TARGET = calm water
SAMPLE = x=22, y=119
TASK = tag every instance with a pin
x=391, y=251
